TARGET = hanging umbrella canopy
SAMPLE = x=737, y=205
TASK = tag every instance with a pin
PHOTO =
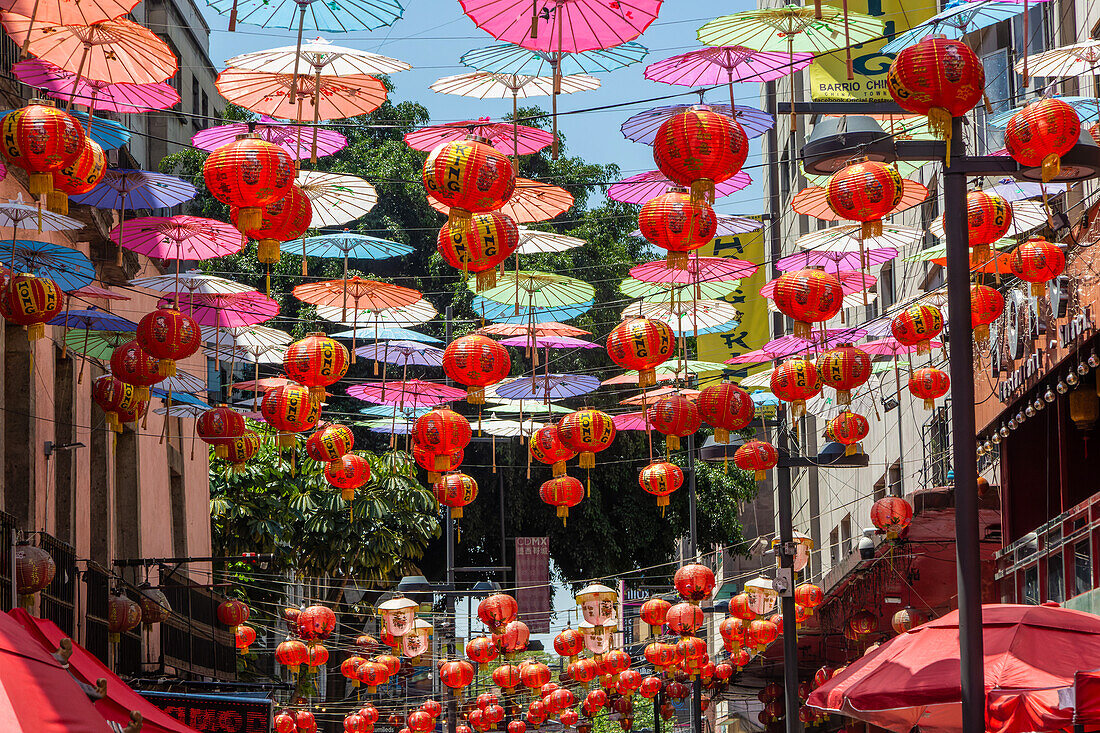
x=670, y=371
x=568, y=26
x=123, y=188
x=409, y=393
x=507, y=313
x=296, y=140
x=525, y=407
x=846, y=238
x=662, y=292
x=313, y=97
x=1087, y=109
x=113, y=51
x=179, y=238
x=182, y=382
x=547, y=328
x=386, y=333
x=788, y=345
x=835, y=261
x=510, y=428
x=123, y=97
x=92, y=319
x=252, y=340
x=508, y=58
x=536, y=241
x=547, y=387
x=404, y=316
x=699, y=269
x=549, y=342
x=650, y=396
x=94, y=292
x=957, y=19
x=532, y=201
x=630, y=421
x=642, y=127
x=225, y=311
x=311, y=15
x=356, y=293
x=890, y=346
x=336, y=198
x=229, y=353
x=850, y=282
x=183, y=410
x=409, y=413
x=725, y=65
x=1012, y=190
x=191, y=281
x=813, y=200
x=508, y=138
x=69, y=268
x=63, y=12
x=17, y=214
x=700, y=316
x=1066, y=62
x=791, y=28
x=96, y=344
x=533, y=289
x=485, y=85
x=318, y=55
x=403, y=353
x=939, y=252
x=642, y=187
x=262, y=385
x=1026, y=216
x=346, y=244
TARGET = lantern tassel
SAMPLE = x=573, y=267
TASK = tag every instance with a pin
x=702, y=190
x=939, y=122
x=166, y=367
x=1052, y=166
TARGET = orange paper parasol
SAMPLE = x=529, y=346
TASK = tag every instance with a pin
x=318, y=97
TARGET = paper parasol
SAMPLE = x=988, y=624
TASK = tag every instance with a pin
x=179, y=237
x=536, y=241
x=336, y=198
x=642, y=127
x=69, y=268
x=638, y=189
x=813, y=200
x=508, y=58
x=563, y=25
x=296, y=140
x=508, y=138
x=532, y=201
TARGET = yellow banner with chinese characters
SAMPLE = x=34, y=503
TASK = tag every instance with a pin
x=752, y=332
x=829, y=80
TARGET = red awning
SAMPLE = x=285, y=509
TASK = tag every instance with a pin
x=1087, y=698
x=86, y=667
x=37, y=694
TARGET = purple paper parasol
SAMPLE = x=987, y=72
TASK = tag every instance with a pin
x=122, y=97
x=504, y=136
x=403, y=353
x=409, y=393
x=834, y=261
x=893, y=347
x=296, y=140
x=699, y=269
x=725, y=65
x=547, y=387
x=642, y=127
x=124, y=188
x=550, y=342
x=644, y=186
x=224, y=311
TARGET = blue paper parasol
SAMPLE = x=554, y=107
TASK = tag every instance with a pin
x=1087, y=108
x=547, y=387
x=507, y=58
x=958, y=18
x=386, y=333
x=92, y=319
x=642, y=127
x=491, y=310
x=123, y=188
x=70, y=269
x=314, y=15
x=346, y=244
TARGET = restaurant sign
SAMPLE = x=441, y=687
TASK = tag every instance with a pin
x=216, y=713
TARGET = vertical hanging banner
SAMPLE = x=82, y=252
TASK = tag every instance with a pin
x=533, y=582
x=829, y=80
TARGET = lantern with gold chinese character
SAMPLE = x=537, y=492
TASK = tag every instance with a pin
x=917, y=325
x=1037, y=261
x=808, y=296
x=661, y=479
x=848, y=429
x=586, y=432
x=641, y=344
x=676, y=417
x=865, y=192
x=796, y=381
x=289, y=410
x=845, y=369
x=168, y=335
x=316, y=361
x=30, y=301
x=1041, y=133
x=477, y=362
x=727, y=407
x=929, y=384
x=547, y=447
x=699, y=148
x=564, y=493
x=398, y=615
x=469, y=176
x=757, y=456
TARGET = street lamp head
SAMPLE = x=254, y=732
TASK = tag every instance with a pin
x=414, y=584
x=486, y=587
x=836, y=141
x=1082, y=162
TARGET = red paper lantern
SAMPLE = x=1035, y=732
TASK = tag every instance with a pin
x=862, y=623
x=348, y=473
x=891, y=514
x=563, y=492
x=42, y=140
x=284, y=723
x=241, y=448
x=316, y=623
x=426, y=460
x=1037, y=261
x=1041, y=133
x=865, y=192
x=373, y=675
x=809, y=596
x=560, y=699
x=353, y=724
x=654, y=612
x=845, y=369
x=694, y=582
x=291, y=653
x=723, y=671
x=316, y=656
x=329, y=443
x=218, y=426
x=130, y=364
x=155, y=608
x=305, y=721
x=316, y=361
x=586, y=432
x=662, y=655
x=694, y=651
x=641, y=344
x=78, y=177
x=796, y=381
x=168, y=335
x=929, y=384
x=29, y=301
x=684, y=618
x=456, y=674
x=477, y=362
x=507, y=677
x=545, y=446
x=568, y=643
x=661, y=479
x=988, y=218
x=494, y=713
x=482, y=650
x=650, y=687
x=497, y=611
x=761, y=632
x=584, y=671
x=758, y=456
x=478, y=245
x=675, y=416
x=808, y=296
x=678, y=223
x=822, y=676
x=280, y=221
x=986, y=306
x=249, y=173
x=34, y=570
x=617, y=660
x=595, y=699
x=369, y=714
x=732, y=630
x=848, y=429
x=939, y=78
x=350, y=669
x=114, y=397
x=233, y=613
x=289, y=410
x=917, y=325
x=727, y=407
x=442, y=432
x=123, y=615
x=469, y=176
x=568, y=717
x=420, y=722
x=130, y=414
x=517, y=726
x=455, y=490
x=629, y=682
x=699, y=148
x=390, y=662
x=534, y=674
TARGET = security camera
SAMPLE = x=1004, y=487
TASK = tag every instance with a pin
x=866, y=548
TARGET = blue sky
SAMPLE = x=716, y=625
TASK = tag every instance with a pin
x=433, y=34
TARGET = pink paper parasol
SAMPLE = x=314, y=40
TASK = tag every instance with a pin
x=850, y=282
x=179, y=237
x=651, y=396
x=699, y=269
x=121, y=97
x=297, y=140
x=631, y=378
x=225, y=311
x=568, y=26
x=94, y=292
x=644, y=186
x=835, y=261
x=409, y=393
x=893, y=347
x=506, y=137
x=726, y=65
x=630, y=421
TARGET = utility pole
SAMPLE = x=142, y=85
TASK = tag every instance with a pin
x=449, y=596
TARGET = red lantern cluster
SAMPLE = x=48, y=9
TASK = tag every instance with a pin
x=546, y=446
x=79, y=177
x=42, y=140
x=289, y=409
x=641, y=344
x=929, y=384
x=586, y=432
x=675, y=416
x=699, y=148
x=726, y=407
x=808, y=296
x=441, y=432
x=986, y=306
x=865, y=192
x=756, y=456
x=917, y=325
x=678, y=223
x=1037, y=261
x=168, y=335
x=317, y=362
x=988, y=218
x=796, y=381
x=477, y=362
x=564, y=493
x=281, y=220
x=661, y=479
x=845, y=369
x=218, y=427
x=1041, y=133
x=469, y=176
x=249, y=173
x=478, y=245
x=30, y=301
x=348, y=473
x=891, y=515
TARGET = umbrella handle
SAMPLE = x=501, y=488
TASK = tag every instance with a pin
x=233, y=17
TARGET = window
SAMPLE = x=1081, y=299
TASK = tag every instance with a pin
x=887, y=295
x=880, y=489
x=895, y=479
x=1082, y=567
x=998, y=85
x=205, y=109
x=179, y=514
x=196, y=105
x=1056, y=580
x=1031, y=586
x=846, y=534
x=834, y=547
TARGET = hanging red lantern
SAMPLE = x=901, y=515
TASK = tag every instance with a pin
x=245, y=636
x=455, y=490
x=662, y=655
x=545, y=446
x=494, y=713
x=760, y=633
x=586, y=432
x=677, y=223
x=891, y=514
x=699, y=148
x=369, y=714
x=249, y=173
x=732, y=630
x=481, y=650
x=442, y=432
x=507, y=677
x=316, y=623
x=723, y=671
x=726, y=407
x=329, y=443
x=563, y=492
x=280, y=221
x=478, y=244
x=848, y=429
x=694, y=652
x=569, y=716
x=1041, y=133
x=517, y=726
x=240, y=449
x=419, y=722
x=390, y=662
x=470, y=176
x=317, y=362
x=168, y=335
x=616, y=661
x=694, y=582
x=988, y=219
x=34, y=570
x=373, y=675
x=796, y=381
x=907, y=619
x=534, y=674
x=641, y=344
x=654, y=612
x=939, y=78
x=650, y=687
x=115, y=398
x=42, y=140
x=284, y=723
x=757, y=456
x=1037, y=261
x=674, y=416
x=456, y=674
x=986, y=306
x=497, y=611
x=218, y=426
x=568, y=643
x=808, y=296
x=845, y=369
x=862, y=623
x=305, y=721
x=629, y=682
x=30, y=301
x=78, y=177
x=123, y=615
x=584, y=671
x=513, y=638
x=684, y=618
x=291, y=654
x=426, y=460
x=809, y=596
x=560, y=699
x=929, y=384
x=348, y=473
x=594, y=700
x=661, y=479
x=155, y=608
x=917, y=325
x=432, y=708
x=130, y=364
x=865, y=192
x=476, y=362
x=289, y=410
x=353, y=723
x=233, y=613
